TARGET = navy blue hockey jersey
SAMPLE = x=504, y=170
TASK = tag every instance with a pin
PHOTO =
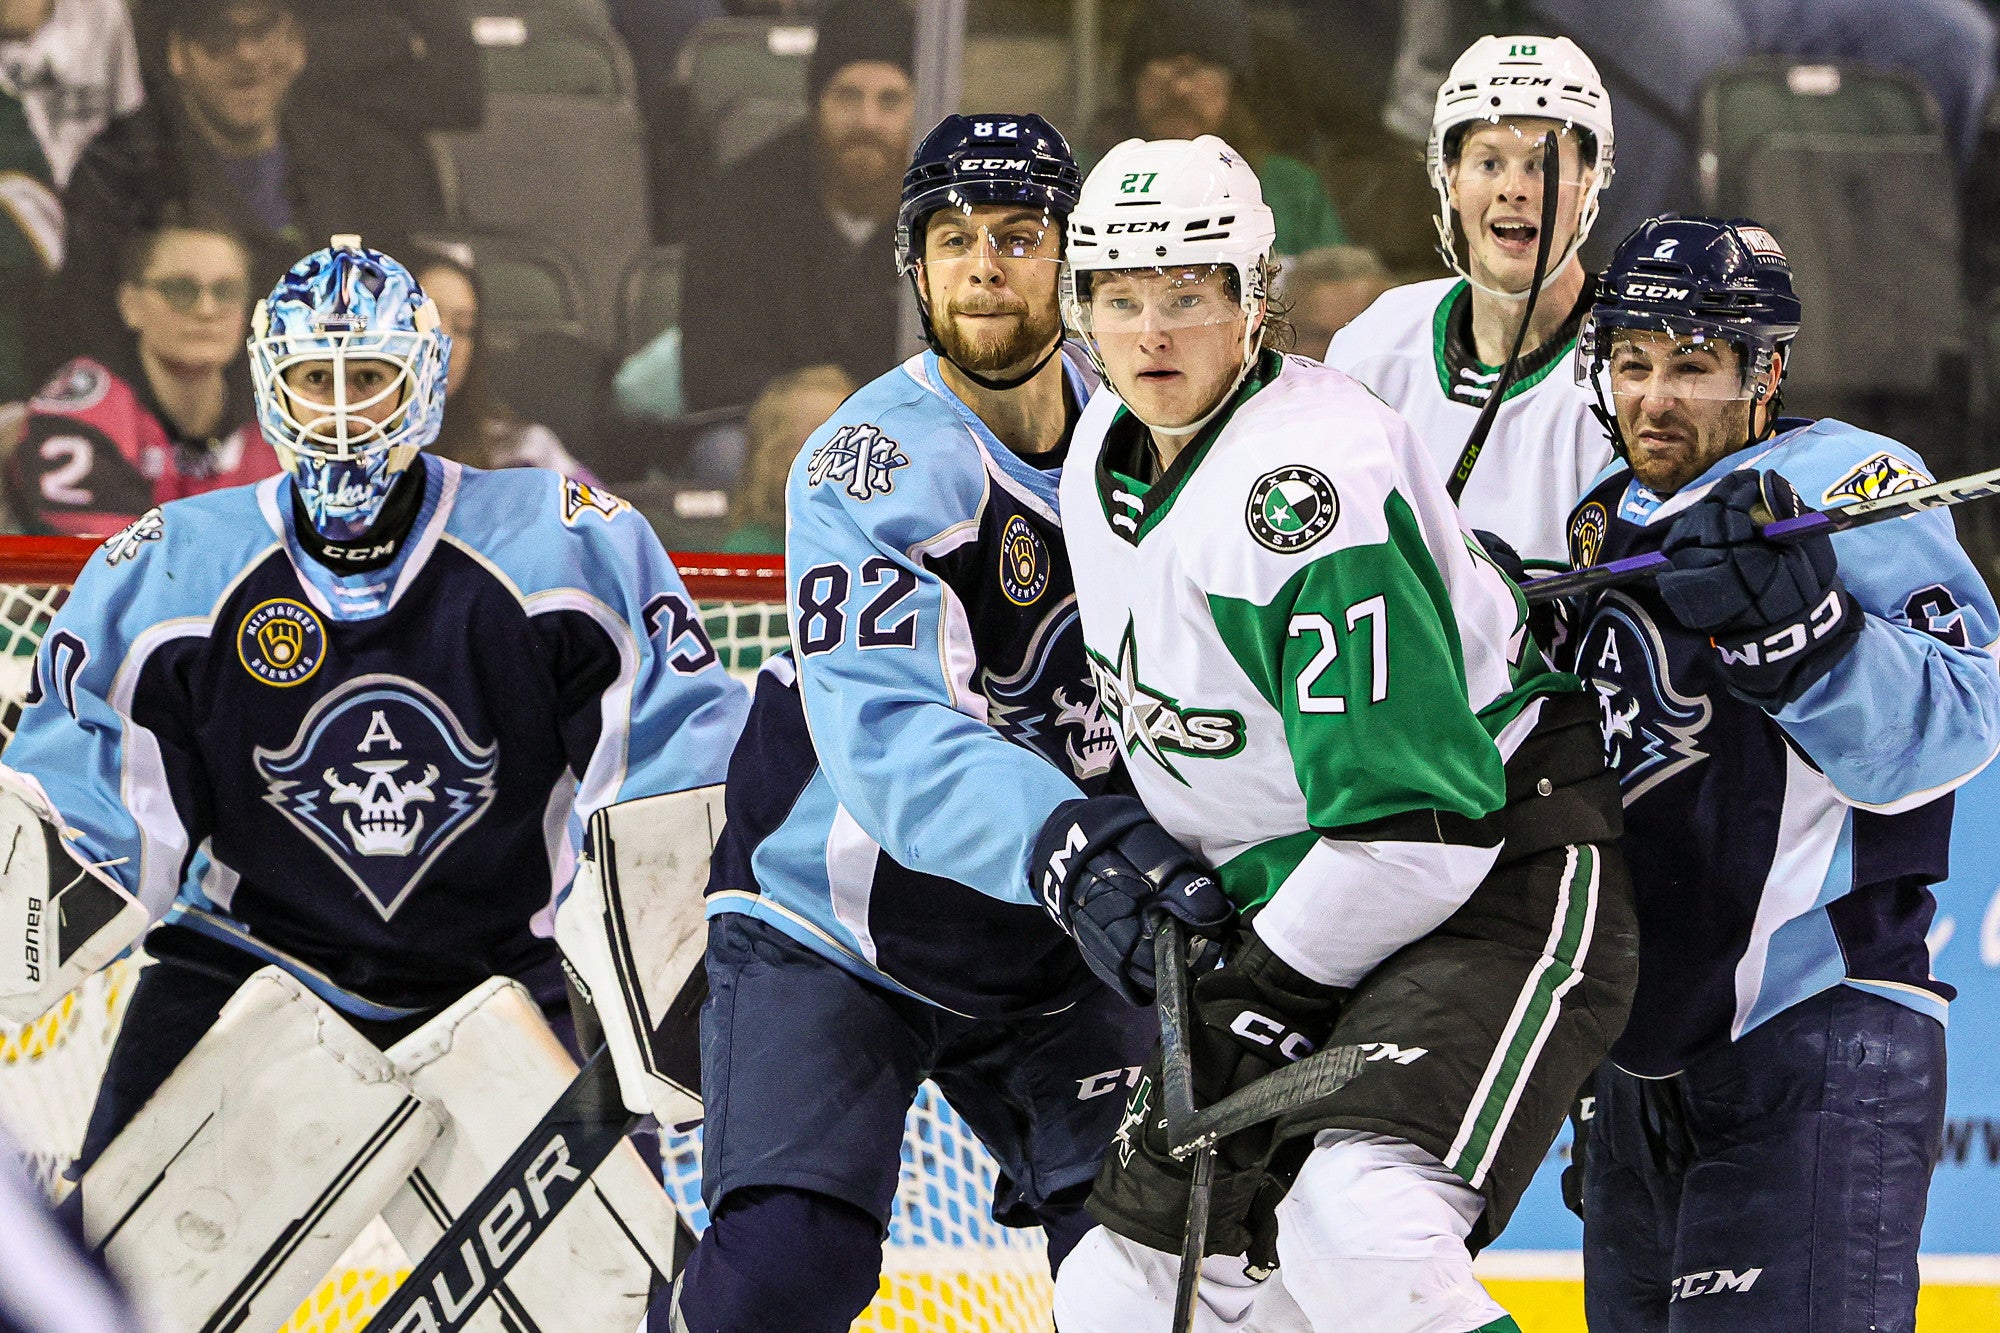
x=936, y=707
x=1776, y=855
x=373, y=779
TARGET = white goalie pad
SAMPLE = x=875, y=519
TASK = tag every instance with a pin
x=60, y=919
x=493, y=1064
x=634, y=932
x=244, y=1178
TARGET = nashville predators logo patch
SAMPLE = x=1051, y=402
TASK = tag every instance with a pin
x=579, y=499
x=1024, y=562
x=1881, y=475
x=281, y=642
x=1291, y=508
x=1586, y=534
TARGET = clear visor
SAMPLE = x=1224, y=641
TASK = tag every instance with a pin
x=954, y=239
x=1134, y=301
x=347, y=399
x=1664, y=357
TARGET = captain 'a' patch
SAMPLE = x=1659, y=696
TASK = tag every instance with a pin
x=1291, y=508
x=382, y=778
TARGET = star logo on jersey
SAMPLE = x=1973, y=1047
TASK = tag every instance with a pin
x=1133, y=1121
x=1586, y=534
x=860, y=456
x=1147, y=720
x=382, y=778
x=1652, y=732
x=1291, y=508
x=281, y=642
x=129, y=540
x=1881, y=475
x=1032, y=709
x=579, y=499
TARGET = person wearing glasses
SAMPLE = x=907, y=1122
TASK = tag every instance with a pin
x=160, y=418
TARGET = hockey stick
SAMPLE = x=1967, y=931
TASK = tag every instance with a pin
x=1940, y=495
x=1475, y=443
x=514, y=1209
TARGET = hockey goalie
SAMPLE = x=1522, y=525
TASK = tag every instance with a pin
x=328, y=743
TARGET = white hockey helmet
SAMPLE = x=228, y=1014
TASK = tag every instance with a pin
x=1547, y=78
x=1170, y=204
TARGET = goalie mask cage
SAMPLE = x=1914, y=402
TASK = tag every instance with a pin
x=948, y=1267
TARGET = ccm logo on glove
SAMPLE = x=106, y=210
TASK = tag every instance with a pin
x=1823, y=620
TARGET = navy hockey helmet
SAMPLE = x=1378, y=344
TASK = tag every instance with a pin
x=984, y=159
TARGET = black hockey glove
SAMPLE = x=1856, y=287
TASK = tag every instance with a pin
x=1582, y=1110
x=1777, y=612
x=1104, y=865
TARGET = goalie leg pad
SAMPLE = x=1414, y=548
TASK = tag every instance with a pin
x=242, y=1180
x=492, y=1062
x=60, y=920
x=633, y=930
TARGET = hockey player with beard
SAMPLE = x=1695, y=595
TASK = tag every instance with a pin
x=1433, y=350
x=331, y=733
x=1787, y=723
x=870, y=921
x=1322, y=686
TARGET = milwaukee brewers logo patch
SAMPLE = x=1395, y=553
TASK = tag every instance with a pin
x=1024, y=562
x=281, y=642
x=1586, y=534
x=1291, y=508
x=579, y=499
x=1882, y=475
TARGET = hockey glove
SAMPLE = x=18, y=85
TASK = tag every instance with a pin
x=1104, y=867
x=1777, y=612
x=1582, y=1110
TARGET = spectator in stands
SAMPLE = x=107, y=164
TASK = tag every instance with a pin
x=792, y=262
x=30, y=240
x=224, y=134
x=1325, y=289
x=108, y=439
x=74, y=66
x=478, y=430
x=1186, y=67
x=792, y=407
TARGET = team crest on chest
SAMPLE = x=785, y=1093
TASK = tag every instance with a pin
x=1586, y=533
x=579, y=498
x=1024, y=562
x=1291, y=508
x=1145, y=719
x=281, y=642
x=1651, y=730
x=382, y=778
x=1060, y=718
x=1884, y=474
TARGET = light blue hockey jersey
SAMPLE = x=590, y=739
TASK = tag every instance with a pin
x=898, y=766
x=1776, y=855
x=373, y=779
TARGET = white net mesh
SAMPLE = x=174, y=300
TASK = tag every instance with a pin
x=949, y=1268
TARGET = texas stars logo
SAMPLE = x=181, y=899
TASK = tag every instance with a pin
x=1147, y=720
x=382, y=778
x=281, y=642
x=1291, y=508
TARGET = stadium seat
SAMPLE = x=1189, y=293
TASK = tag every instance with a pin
x=560, y=47
x=728, y=59
x=1848, y=168
x=649, y=298
x=558, y=378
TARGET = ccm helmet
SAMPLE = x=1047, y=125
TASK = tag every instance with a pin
x=1171, y=204
x=1498, y=78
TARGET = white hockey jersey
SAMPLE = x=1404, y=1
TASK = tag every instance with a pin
x=1414, y=348
x=1315, y=674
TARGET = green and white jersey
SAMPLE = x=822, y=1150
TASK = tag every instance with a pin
x=1414, y=348
x=1314, y=673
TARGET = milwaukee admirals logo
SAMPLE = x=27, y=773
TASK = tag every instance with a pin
x=1291, y=508
x=1063, y=722
x=382, y=778
x=1651, y=731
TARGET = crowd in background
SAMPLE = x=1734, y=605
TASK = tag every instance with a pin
x=660, y=231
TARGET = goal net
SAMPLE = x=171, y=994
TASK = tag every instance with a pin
x=948, y=1267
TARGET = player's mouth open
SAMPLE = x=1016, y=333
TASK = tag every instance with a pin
x=1515, y=233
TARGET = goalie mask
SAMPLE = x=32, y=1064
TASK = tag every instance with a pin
x=1169, y=236
x=1524, y=85
x=349, y=358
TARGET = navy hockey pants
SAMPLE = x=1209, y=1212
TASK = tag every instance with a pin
x=1776, y=1185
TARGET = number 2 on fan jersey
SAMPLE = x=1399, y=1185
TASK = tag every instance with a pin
x=1375, y=611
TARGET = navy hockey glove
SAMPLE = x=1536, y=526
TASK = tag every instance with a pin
x=1777, y=612
x=1104, y=865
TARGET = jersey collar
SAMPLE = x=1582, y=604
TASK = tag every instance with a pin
x=1468, y=381
x=1133, y=506
x=1038, y=486
x=366, y=595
